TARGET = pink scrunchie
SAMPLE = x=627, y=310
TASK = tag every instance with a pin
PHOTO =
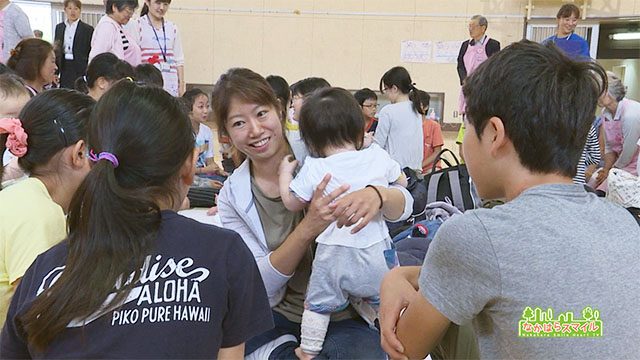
x=17, y=139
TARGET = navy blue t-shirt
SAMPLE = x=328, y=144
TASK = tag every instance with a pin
x=200, y=290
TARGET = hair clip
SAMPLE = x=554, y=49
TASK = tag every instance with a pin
x=64, y=134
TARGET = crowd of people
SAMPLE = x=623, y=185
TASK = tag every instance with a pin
x=103, y=145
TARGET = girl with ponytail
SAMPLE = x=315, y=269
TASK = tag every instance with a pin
x=48, y=137
x=134, y=279
x=400, y=123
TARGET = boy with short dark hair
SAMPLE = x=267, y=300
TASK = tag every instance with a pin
x=552, y=248
x=368, y=101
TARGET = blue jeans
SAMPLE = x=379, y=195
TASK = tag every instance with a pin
x=346, y=339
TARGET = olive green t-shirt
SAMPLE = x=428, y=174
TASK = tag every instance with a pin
x=277, y=224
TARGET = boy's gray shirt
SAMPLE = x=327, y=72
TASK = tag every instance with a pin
x=554, y=246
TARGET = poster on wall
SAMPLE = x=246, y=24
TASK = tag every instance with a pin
x=446, y=52
x=412, y=51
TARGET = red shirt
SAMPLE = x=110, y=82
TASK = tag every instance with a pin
x=369, y=123
x=432, y=139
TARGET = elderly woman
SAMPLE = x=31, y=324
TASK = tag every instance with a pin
x=621, y=121
x=111, y=36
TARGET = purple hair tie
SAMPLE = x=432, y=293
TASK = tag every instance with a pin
x=104, y=156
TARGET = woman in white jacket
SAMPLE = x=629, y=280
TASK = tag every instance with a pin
x=249, y=203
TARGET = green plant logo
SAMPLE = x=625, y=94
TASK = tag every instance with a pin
x=536, y=322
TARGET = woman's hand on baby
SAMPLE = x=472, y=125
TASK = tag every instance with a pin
x=357, y=207
x=288, y=165
x=320, y=212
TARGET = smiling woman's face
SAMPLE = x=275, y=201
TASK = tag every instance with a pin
x=255, y=130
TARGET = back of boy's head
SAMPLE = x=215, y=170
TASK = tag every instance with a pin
x=545, y=100
x=331, y=117
x=365, y=94
x=53, y=120
x=567, y=10
x=149, y=75
x=105, y=65
x=306, y=86
x=190, y=97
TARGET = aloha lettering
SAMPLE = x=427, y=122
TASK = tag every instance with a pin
x=151, y=289
x=181, y=290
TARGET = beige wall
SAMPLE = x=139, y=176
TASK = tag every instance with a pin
x=303, y=38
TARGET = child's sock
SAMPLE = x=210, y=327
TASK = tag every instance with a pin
x=314, y=329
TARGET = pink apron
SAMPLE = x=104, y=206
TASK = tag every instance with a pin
x=473, y=57
x=615, y=140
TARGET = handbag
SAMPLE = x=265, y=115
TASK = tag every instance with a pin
x=451, y=184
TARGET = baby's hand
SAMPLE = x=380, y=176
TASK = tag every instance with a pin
x=288, y=165
x=302, y=355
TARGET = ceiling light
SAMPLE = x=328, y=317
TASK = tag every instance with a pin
x=626, y=36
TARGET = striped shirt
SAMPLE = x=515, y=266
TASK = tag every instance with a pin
x=590, y=155
x=110, y=36
x=125, y=41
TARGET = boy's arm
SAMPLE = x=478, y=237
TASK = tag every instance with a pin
x=420, y=327
x=416, y=332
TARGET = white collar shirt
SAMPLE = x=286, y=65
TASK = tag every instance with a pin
x=69, y=35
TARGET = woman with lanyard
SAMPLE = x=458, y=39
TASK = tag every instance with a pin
x=161, y=45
